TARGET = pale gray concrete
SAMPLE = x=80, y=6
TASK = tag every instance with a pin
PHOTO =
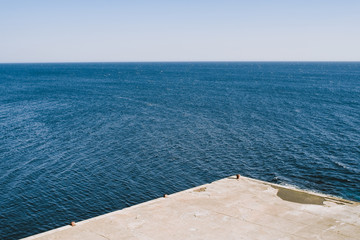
x=226, y=209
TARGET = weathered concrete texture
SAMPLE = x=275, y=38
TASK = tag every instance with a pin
x=226, y=209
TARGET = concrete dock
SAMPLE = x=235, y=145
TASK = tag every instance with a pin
x=230, y=208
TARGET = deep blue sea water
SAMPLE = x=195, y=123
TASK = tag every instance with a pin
x=80, y=140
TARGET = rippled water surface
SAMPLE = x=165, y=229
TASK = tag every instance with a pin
x=80, y=140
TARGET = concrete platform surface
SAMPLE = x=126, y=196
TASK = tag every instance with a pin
x=230, y=208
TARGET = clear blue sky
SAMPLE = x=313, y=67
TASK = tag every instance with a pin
x=183, y=30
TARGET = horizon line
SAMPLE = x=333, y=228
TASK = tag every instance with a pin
x=195, y=61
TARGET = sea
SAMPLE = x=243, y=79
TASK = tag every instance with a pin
x=78, y=140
